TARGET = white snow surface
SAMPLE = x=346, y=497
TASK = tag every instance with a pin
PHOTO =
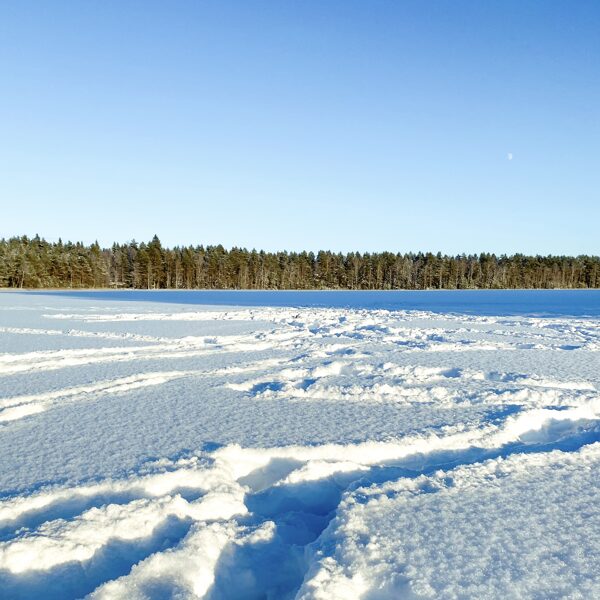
x=174, y=451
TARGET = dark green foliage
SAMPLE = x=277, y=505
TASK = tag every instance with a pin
x=35, y=263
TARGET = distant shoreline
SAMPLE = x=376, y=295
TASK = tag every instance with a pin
x=294, y=291
x=34, y=263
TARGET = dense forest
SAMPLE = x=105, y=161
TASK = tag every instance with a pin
x=35, y=263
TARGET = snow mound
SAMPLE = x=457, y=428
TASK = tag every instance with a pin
x=522, y=527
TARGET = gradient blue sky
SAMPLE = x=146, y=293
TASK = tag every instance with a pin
x=303, y=125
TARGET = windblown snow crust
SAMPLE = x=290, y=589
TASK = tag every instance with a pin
x=295, y=453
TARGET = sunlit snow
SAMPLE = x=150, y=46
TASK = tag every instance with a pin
x=169, y=450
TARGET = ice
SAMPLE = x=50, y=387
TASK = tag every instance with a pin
x=285, y=452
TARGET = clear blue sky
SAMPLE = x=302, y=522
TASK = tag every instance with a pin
x=303, y=125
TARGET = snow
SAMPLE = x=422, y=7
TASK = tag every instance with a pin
x=525, y=526
x=154, y=451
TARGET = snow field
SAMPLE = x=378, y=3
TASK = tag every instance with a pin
x=487, y=490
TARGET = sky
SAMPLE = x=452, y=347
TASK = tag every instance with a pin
x=453, y=126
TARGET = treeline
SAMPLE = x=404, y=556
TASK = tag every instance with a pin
x=35, y=263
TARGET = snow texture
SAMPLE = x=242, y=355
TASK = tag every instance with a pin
x=312, y=453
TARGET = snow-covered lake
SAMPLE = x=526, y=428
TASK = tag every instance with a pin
x=311, y=445
x=568, y=303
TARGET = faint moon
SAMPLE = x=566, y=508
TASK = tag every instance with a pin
x=509, y=156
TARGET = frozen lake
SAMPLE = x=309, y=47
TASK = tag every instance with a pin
x=309, y=445
x=474, y=302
